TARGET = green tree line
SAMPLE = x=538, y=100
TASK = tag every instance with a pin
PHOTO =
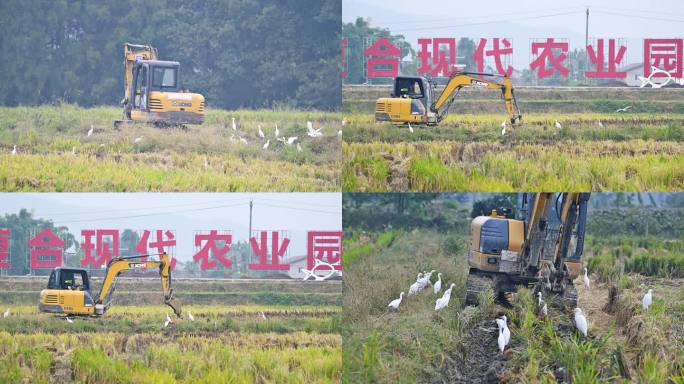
x=237, y=53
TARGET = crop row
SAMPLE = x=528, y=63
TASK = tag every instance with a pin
x=565, y=165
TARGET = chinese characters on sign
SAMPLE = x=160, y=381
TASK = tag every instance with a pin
x=269, y=249
x=4, y=248
x=382, y=59
x=437, y=56
x=46, y=250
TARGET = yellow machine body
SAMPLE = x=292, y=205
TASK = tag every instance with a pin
x=69, y=290
x=413, y=100
x=152, y=91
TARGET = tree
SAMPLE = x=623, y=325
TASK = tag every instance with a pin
x=22, y=227
x=499, y=201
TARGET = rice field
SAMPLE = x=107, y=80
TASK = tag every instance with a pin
x=55, y=152
x=459, y=344
x=241, y=343
x=596, y=149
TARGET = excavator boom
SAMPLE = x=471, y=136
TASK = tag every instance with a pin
x=120, y=264
x=467, y=79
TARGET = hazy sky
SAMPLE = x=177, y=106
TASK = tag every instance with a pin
x=518, y=20
x=185, y=213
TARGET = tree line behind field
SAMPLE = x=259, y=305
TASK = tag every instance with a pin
x=238, y=54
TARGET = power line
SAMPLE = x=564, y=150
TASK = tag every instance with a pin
x=295, y=203
x=302, y=209
x=487, y=22
x=134, y=209
x=641, y=17
x=151, y=214
x=412, y=21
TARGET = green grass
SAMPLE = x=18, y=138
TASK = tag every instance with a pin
x=481, y=166
x=55, y=153
x=413, y=344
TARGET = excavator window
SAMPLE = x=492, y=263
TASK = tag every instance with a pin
x=74, y=280
x=409, y=87
x=164, y=78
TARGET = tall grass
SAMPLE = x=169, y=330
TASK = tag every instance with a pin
x=54, y=152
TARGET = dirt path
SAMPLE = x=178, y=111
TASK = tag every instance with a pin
x=480, y=361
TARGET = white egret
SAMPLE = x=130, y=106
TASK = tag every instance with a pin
x=545, y=310
x=91, y=130
x=624, y=109
x=138, y=139
x=394, y=304
x=503, y=128
x=7, y=313
x=501, y=340
x=267, y=143
x=414, y=288
x=438, y=285
x=14, y=151
x=263, y=316
x=168, y=321
x=344, y=122
x=410, y=128
x=339, y=133
x=539, y=299
x=68, y=319
x=234, y=125
x=277, y=132
x=206, y=163
x=506, y=331
x=558, y=125
x=600, y=124
x=646, y=302
x=261, y=133
x=291, y=140
x=190, y=316
x=581, y=321
x=586, y=279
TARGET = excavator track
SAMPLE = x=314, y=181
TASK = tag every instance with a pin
x=474, y=286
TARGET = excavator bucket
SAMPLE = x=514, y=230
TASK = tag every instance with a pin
x=175, y=305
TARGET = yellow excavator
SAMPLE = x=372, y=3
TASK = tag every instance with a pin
x=152, y=91
x=541, y=248
x=69, y=292
x=413, y=101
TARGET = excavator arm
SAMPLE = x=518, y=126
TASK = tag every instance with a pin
x=466, y=79
x=120, y=264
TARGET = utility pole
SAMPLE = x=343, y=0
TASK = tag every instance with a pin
x=251, y=203
x=586, y=42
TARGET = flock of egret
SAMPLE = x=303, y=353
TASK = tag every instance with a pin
x=422, y=282
x=557, y=124
x=238, y=138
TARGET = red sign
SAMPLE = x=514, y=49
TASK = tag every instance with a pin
x=4, y=247
x=547, y=53
x=435, y=61
x=387, y=55
x=500, y=47
x=665, y=54
x=210, y=241
x=46, y=250
x=325, y=246
x=105, y=248
x=597, y=58
x=344, y=50
x=261, y=250
x=159, y=243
